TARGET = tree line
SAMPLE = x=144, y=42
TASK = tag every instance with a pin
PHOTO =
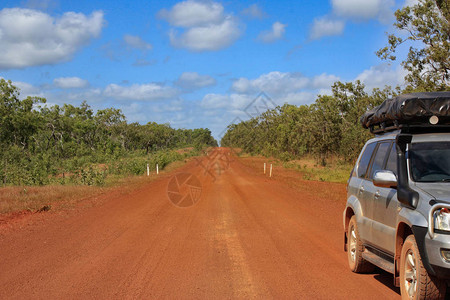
x=40, y=142
x=330, y=126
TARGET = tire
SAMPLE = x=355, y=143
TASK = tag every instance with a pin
x=355, y=249
x=415, y=283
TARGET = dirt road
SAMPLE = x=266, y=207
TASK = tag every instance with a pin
x=246, y=236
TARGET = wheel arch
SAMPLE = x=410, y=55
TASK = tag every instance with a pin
x=403, y=231
x=348, y=214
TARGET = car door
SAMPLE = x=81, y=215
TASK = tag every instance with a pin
x=362, y=192
x=385, y=206
x=368, y=190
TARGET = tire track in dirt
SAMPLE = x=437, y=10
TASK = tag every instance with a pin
x=226, y=239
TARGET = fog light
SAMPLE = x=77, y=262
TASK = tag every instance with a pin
x=445, y=253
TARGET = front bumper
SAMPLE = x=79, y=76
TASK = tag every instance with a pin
x=430, y=251
x=433, y=248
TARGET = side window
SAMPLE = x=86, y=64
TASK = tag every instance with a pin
x=365, y=160
x=380, y=157
x=391, y=164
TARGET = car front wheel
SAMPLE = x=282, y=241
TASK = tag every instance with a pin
x=415, y=283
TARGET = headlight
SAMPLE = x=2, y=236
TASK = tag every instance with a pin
x=442, y=219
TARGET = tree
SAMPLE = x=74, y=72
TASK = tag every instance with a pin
x=18, y=120
x=110, y=124
x=444, y=7
x=427, y=25
x=326, y=129
x=353, y=101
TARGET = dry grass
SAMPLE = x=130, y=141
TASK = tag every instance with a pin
x=184, y=150
x=334, y=171
x=36, y=198
x=307, y=168
x=334, y=190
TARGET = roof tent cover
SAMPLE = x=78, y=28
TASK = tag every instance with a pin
x=414, y=108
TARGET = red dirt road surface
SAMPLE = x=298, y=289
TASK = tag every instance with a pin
x=243, y=235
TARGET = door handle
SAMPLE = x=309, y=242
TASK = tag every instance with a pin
x=361, y=190
x=377, y=194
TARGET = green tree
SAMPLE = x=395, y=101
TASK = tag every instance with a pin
x=109, y=124
x=40, y=144
x=326, y=127
x=353, y=101
x=18, y=120
x=427, y=28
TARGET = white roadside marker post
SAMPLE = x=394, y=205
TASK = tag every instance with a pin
x=264, y=168
x=157, y=169
x=270, y=170
x=148, y=170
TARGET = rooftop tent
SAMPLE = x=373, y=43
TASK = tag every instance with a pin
x=409, y=109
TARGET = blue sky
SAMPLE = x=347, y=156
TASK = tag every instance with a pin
x=192, y=63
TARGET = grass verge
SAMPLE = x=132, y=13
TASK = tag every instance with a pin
x=335, y=170
x=57, y=196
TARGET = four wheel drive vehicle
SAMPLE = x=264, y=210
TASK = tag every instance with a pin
x=397, y=215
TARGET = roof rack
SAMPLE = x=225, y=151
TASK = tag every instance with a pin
x=409, y=128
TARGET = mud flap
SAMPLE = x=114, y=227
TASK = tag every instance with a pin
x=345, y=241
x=419, y=234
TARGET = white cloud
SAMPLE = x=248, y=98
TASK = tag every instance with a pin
x=273, y=83
x=298, y=98
x=323, y=81
x=382, y=75
x=31, y=38
x=181, y=120
x=276, y=33
x=207, y=38
x=292, y=88
x=193, y=13
x=91, y=95
x=285, y=87
x=167, y=107
x=410, y=2
x=27, y=89
x=254, y=11
x=228, y=102
x=205, y=27
x=70, y=82
x=215, y=101
x=326, y=26
x=136, y=112
x=148, y=91
x=363, y=10
x=355, y=10
x=193, y=80
x=136, y=42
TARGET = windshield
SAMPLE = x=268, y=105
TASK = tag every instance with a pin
x=430, y=162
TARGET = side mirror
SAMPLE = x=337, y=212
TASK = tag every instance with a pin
x=386, y=179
